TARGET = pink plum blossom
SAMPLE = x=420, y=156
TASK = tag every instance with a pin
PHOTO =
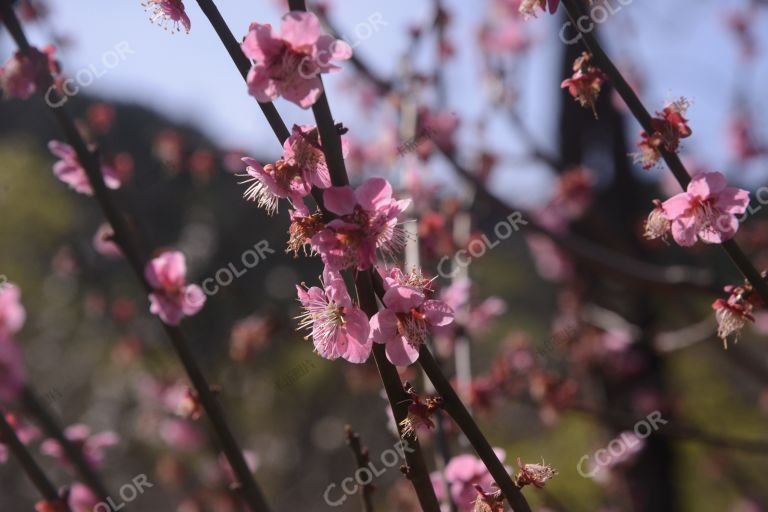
x=289, y=63
x=172, y=299
x=292, y=177
x=706, y=210
x=463, y=473
x=339, y=328
x=403, y=325
x=12, y=313
x=168, y=13
x=82, y=499
x=92, y=446
x=24, y=73
x=70, y=170
x=367, y=220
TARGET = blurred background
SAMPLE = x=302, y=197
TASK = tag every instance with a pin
x=559, y=348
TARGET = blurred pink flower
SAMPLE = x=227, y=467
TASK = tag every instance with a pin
x=173, y=298
x=12, y=313
x=288, y=64
x=181, y=434
x=92, y=446
x=707, y=210
x=103, y=244
x=70, y=170
x=339, y=328
x=22, y=74
x=81, y=498
x=402, y=326
x=24, y=431
x=168, y=13
x=368, y=219
x=463, y=473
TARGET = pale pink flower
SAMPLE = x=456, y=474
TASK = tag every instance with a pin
x=288, y=64
x=463, y=473
x=82, y=499
x=70, y=170
x=168, y=13
x=707, y=210
x=408, y=315
x=92, y=446
x=367, y=220
x=12, y=313
x=172, y=299
x=12, y=374
x=292, y=177
x=22, y=74
x=182, y=400
x=339, y=328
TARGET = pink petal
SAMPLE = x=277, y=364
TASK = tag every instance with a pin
x=357, y=330
x=260, y=45
x=400, y=352
x=402, y=299
x=300, y=29
x=383, y=326
x=194, y=299
x=676, y=206
x=438, y=313
x=261, y=86
x=733, y=200
x=684, y=231
x=374, y=194
x=707, y=184
x=339, y=200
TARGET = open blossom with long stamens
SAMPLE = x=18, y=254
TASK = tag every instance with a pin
x=367, y=221
x=339, y=328
x=69, y=170
x=529, y=7
x=707, y=210
x=408, y=315
x=172, y=299
x=292, y=177
x=669, y=126
x=168, y=13
x=21, y=76
x=289, y=63
x=586, y=82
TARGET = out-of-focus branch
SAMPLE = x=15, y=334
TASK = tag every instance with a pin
x=362, y=459
x=34, y=472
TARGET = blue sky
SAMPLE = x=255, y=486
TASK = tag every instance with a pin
x=681, y=46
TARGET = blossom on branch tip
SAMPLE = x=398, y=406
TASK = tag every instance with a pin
x=534, y=474
x=26, y=73
x=585, y=83
x=669, y=126
x=367, y=221
x=168, y=13
x=420, y=412
x=338, y=327
x=408, y=316
x=706, y=210
x=289, y=63
x=70, y=170
x=732, y=314
x=172, y=299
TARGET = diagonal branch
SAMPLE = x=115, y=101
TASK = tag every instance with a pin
x=362, y=459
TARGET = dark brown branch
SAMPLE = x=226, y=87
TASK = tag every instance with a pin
x=673, y=161
x=34, y=472
x=123, y=237
x=363, y=460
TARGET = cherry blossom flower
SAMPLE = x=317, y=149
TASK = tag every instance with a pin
x=81, y=498
x=403, y=325
x=12, y=313
x=420, y=412
x=528, y=8
x=70, y=170
x=535, y=474
x=368, y=220
x=92, y=446
x=182, y=400
x=168, y=13
x=26, y=73
x=12, y=374
x=338, y=327
x=464, y=474
x=303, y=228
x=669, y=126
x=292, y=177
x=288, y=64
x=732, y=314
x=707, y=210
x=657, y=225
x=172, y=299
x=586, y=82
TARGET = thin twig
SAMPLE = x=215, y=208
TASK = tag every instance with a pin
x=31, y=468
x=672, y=159
x=363, y=460
x=123, y=237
